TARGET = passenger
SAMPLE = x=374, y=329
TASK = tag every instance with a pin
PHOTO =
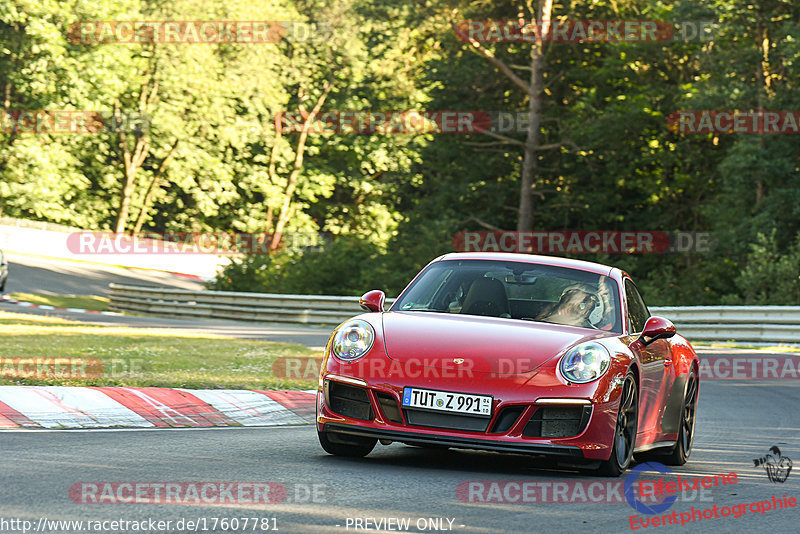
x=573, y=308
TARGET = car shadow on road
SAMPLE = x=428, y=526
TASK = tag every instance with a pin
x=464, y=460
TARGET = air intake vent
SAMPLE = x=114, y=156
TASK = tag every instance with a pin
x=506, y=419
x=390, y=407
x=558, y=421
x=349, y=401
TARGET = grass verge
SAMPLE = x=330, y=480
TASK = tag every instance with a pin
x=140, y=357
x=87, y=302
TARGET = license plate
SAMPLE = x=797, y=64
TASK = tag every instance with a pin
x=446, y=401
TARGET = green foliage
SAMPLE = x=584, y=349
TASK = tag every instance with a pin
x=344, y=266
x=250, y=273
x=391, y=203
x=769, y=277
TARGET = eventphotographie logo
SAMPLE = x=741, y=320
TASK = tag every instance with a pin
x=631, y=480
x=666, y=491
x=775, y=464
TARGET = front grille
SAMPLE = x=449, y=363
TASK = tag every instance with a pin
x=506, y=419
x=445, y=420
x=389, y=407
x=558, y=421
x=349, y=401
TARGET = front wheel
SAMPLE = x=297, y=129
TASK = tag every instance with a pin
x=683, y=448
x=345, y=445
x=625, y=430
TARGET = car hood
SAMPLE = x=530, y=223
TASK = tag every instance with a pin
x=485, y=344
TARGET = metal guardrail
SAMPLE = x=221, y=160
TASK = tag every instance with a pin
x=755, y=324
x=263, y=307
x=760, y=324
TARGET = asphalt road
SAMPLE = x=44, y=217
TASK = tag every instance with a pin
x=51, y=276
x=737, y=422
x=29, y=274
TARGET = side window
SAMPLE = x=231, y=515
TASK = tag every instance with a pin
x=637, y=311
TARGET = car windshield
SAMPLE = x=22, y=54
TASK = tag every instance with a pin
x=516, y=290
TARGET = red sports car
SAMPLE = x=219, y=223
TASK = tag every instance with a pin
x=515, y=353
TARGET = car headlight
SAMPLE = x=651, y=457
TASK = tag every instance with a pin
x=353, y=340
x=585, y=363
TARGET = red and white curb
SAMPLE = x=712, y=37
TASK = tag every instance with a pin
x=48, y=307
x=55, y=407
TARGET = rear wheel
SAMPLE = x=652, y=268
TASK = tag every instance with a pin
x=625, y=430
x=683, y=448
x=345, y=445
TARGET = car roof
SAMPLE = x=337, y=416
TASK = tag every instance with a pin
x=553, y=261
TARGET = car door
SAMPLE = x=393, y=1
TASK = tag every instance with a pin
x=657, y=372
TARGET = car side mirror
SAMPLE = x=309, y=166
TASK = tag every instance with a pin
x=372, y=301
x=657, y=328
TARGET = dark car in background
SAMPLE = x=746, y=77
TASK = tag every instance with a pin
x=3, y=271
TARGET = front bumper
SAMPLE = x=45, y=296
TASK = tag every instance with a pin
x=525, y=418
x=417, y=438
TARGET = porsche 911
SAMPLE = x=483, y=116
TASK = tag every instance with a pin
x=512, y=353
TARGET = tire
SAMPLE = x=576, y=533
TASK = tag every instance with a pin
x=624, y=431
x=683, y=447
x=345, y=445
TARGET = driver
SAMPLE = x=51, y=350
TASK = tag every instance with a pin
x=573, y=308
